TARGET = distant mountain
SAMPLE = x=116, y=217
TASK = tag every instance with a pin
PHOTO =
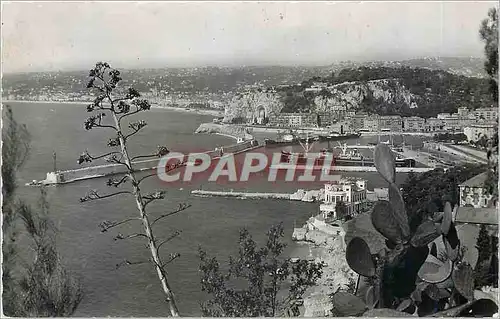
x=215, y=79
x=469, y=66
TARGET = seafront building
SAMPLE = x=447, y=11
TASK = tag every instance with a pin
x=488, y=114
x=295, y=120
x=351, y=191
x=476, y=131
x=413, y=124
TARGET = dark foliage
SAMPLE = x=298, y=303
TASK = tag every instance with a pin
x=251, y=286
x=450, y=137
x=427, y=192
x=40, y=286
x=489, y=35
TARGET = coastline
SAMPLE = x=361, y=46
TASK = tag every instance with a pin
x=337, y=274
x=155, y=106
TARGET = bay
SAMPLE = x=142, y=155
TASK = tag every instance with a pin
x=210, y=223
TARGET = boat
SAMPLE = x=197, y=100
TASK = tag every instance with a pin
x=288, y=140
x=345, y=158
x=338, y=137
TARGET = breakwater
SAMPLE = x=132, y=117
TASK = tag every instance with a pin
x=353, y=168
x=299, y=195
x=235, y=131
x=74, y=175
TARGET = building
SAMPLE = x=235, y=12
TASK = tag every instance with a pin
x=486, y=114
x=357, y=121
x=475, y=131
x=392, y=123
x=372, y=123
x=294, y=120
x=413, y=124
x=350, y=191
x=433, y=125
x=463, y=111
x=326, y=119
x=476, y=208
x=474, y=194
x=341, y=127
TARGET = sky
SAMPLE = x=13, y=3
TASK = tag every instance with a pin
x=51, y=36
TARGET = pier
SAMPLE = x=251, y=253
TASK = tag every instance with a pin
x=74, y=175
x=242, y=194
x=300, y=195
x=353, y=168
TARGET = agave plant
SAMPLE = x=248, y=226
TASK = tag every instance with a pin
x=407, y=277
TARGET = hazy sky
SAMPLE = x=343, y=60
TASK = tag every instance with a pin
x=55, y=36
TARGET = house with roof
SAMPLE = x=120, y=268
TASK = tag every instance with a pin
x=476, y=208
x=474, y=194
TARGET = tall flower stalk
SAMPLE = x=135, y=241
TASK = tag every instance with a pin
x=120, y=104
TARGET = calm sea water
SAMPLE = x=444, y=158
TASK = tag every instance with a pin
x=211, y=223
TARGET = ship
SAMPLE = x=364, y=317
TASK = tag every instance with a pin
x=345, y=158
x=288, y=140
x=338, y=137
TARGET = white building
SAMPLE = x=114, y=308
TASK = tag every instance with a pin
x=475, y=131
x=486, y=114
x=352, y=192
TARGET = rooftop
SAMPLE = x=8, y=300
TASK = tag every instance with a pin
x=477, y=215
x=476, y=181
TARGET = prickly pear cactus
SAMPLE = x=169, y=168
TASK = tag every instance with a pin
x=406, y=278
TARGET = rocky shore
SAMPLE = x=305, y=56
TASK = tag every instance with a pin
x=322, y=247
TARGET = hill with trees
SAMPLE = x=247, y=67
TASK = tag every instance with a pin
x=402, y=91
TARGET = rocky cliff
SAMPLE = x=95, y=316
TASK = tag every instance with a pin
x=350, y=95
x=248, y=107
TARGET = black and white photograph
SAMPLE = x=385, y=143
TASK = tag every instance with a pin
x=249, y=159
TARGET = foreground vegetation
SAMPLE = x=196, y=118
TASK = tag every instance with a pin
x=36, y=285
x=408, y=276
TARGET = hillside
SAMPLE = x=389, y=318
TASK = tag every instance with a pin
x=388, y=91
x=218, y=79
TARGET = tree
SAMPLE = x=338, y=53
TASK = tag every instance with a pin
x=485, y=253
x=15, y=149
x=489, y=35
x=427, y=193
x=43, y=287
x=251, y=285
x=120, y=104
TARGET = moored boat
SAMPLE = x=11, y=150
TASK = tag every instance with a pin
x=338, y=137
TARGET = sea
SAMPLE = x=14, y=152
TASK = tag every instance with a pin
x=211, y=223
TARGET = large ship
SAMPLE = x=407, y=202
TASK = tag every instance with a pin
x=345, y=158
x=338, y=137
x=292, y=139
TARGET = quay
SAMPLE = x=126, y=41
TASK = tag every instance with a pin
x=200, y=192
x=74, y=175
x=354, y=168
x=300, y=195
